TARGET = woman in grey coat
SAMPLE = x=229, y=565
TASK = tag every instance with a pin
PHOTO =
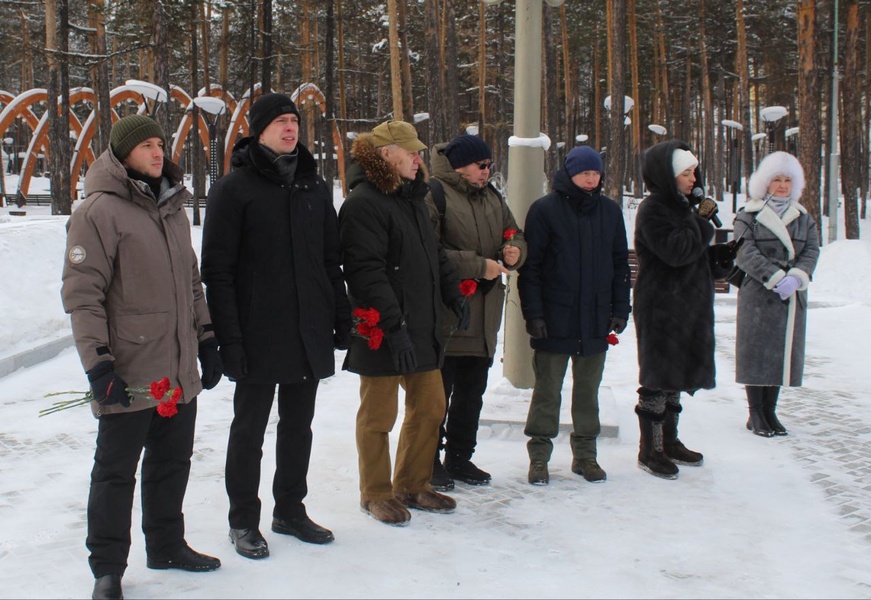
x=779, y=253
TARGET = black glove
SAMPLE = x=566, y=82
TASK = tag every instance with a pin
x=342, y=338
x=106, y=386
x=210, y=363
x=723, y=255
x=618, y=324
x=461, y=309
x=536, y=328
x=235, y=364
x=404, y=357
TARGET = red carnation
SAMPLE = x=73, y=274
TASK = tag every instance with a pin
x=468, y=287
x=613, y=339
x=158, y=389
x=168, y=409
x=509, y=234
x=375, y=338
x=370, y=316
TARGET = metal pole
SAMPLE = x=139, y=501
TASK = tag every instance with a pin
x=525, y=176
x=834, y=154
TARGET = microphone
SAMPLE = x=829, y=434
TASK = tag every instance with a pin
x=699, y=196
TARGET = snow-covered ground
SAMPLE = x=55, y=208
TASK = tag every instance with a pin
x=754, y=521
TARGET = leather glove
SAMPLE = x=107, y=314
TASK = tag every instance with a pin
x=461, y=309
x=707, y=208
x=235, y=363
x=404, y=357
x=342, y=338
x=210, y=363
x=107, y=387
x=723, y=255
x=618, y=324
x=786, y=287
x=536, y=328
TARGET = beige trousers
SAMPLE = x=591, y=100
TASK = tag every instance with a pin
x=418, y=438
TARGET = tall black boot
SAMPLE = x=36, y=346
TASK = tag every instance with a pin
x=651, y=457
x=769, y=407
x=674, y=448
x=757, y=422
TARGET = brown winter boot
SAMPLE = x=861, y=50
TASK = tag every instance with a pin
x=673, y=447
x=429, y=501
x=391, y=511
x=651, y=457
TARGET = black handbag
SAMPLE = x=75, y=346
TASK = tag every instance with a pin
x=735, y=276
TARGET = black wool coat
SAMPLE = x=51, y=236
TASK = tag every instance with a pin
x=576, y=275
x=392, y=262
x=673, y=299
x=271, y=265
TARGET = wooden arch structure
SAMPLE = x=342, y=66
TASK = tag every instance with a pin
x=22, y=106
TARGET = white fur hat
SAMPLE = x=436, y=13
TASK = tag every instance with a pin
x=776, y=163
x=681, y=160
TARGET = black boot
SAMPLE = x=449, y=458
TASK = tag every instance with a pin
x=440, y=480
x=108, y=587
x=673, y=447
x=757, y=422
x=769, y=406
x=651, y=457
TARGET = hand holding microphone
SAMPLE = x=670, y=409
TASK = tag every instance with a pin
x=707, y=208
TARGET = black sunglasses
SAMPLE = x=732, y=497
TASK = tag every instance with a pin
x=485, y=165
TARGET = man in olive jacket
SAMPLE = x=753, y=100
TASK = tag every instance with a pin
x=275, y=290
x=132, y=288
x=483, y=241
x=394, y=265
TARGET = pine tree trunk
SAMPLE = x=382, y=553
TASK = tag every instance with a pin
x=741, y=67
x=809, y=108
x=550, y=97
x=266, y=54
x=196, y=146
x=635, y=163
x=851, y=123
x=99, y=75
x=616, y=154
x=435, y=74
x=58, y=105
x=710, y=128
x=395, y=66
x=329, y=119
x=161, y=65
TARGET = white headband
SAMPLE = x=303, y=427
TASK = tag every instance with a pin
x=681, y=160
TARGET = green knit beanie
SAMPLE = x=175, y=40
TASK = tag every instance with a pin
x=132, y=130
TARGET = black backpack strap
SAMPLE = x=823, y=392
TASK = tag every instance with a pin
x=438, y=196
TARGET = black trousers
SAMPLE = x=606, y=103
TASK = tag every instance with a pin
x=465, y=381
x=252, y=404
x=166, y=465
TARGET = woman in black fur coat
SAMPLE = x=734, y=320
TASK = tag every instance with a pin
x=673, y=302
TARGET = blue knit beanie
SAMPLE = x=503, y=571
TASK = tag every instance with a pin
x=465, y=149
x=583, y=158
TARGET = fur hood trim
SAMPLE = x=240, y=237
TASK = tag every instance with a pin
x=777, y=163
x=378, y=171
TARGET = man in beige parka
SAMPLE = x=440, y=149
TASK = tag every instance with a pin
x=132, y=288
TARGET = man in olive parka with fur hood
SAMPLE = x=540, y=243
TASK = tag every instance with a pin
x=394, y=266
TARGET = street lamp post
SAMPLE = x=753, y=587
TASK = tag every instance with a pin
x=771, y=115
x=148, y=91
x=213, y=107
x=735, y=166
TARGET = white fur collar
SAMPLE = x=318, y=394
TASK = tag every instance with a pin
x=776, y=224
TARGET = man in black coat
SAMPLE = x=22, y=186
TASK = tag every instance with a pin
x=673, y=302
x=399, y=276
x=274, y=286
x=574, y=291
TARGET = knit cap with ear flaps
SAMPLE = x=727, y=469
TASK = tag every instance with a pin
x=130, y=131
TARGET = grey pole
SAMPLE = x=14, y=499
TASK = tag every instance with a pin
x=834, y=153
